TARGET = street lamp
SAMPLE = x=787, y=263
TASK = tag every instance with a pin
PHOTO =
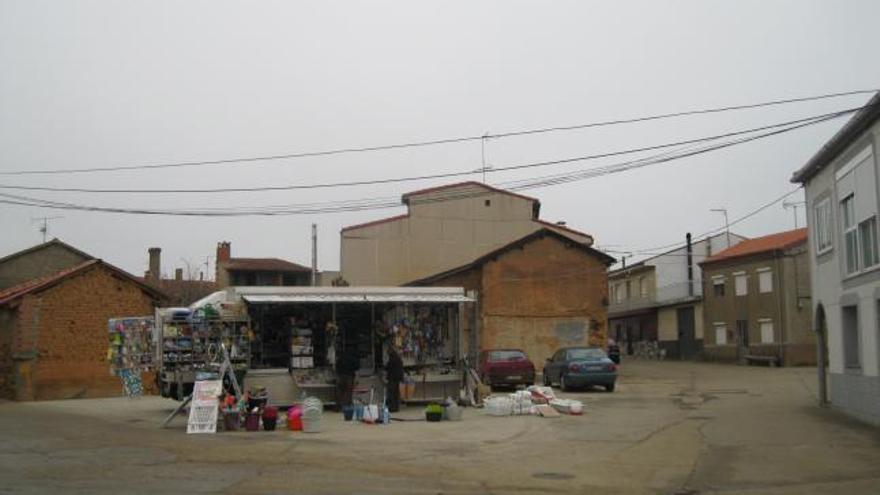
x=726, y=223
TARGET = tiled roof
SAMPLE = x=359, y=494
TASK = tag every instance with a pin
x=565, y=228
x=463, y=184
x=781, y=240
x=183, y=292
x=376, y=222
x=53, y=242
x=847, y=134
x=491, y=255
x=264, y=265
x=38, y=284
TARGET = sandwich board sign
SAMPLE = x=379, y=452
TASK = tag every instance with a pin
x=204, y=406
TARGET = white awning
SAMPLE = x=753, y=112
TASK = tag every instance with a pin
x=280, y=295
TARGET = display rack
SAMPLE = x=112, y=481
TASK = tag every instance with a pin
x=190, y=345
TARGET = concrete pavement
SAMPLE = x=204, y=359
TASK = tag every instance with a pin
x=669, y=428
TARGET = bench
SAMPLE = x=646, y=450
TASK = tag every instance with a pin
x=773, y=361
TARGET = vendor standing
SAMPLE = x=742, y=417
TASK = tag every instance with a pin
x=394, y=375
x=346, y=368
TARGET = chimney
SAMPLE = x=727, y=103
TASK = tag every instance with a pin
x=155, y=263
x=224, y=253
x=178, y=274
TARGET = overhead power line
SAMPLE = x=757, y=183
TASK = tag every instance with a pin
x=807, y=120
x=367, y=204
x=665, y=249
x=483, y=137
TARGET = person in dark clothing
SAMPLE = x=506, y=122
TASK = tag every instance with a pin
x=394, y=373
x=346, y=368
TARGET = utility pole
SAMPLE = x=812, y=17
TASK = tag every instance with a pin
x=726, y=223
x=44, y=228
x=794, y=205
x=314, y=254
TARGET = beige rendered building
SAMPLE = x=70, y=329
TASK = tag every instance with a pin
x=444, y=227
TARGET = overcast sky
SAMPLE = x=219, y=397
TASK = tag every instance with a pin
x=108, y=83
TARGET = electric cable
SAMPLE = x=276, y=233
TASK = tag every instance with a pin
x=446, y=175
x=296, y=155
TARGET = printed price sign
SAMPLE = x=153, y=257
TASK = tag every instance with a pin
x=203, y=409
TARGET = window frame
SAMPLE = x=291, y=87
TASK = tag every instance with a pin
x=737, y=276
x=822, y=216
x=873, y=244
x=718, y=325
x=852, y=357
x=848, y=213
x=761, y=328
x=765, y=273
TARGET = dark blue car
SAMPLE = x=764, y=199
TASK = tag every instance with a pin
x=580, y=367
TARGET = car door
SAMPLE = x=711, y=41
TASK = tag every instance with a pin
x=558, y=360
x=550, y=366
x=561, y=364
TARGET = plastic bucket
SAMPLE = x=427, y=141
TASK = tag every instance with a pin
x=252, y=423
x=347, y=412
x=231, y=421
x=371, y=413
x=311, y=425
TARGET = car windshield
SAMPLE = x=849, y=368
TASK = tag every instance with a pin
x=588, y=353
x=496, y=356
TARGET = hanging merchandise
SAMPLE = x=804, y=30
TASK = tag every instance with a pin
x=130, y=344
x=130, y=352
x=132, y=385
x=301, y=347
x=420, y=333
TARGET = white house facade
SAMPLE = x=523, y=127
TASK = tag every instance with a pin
x=841, y=183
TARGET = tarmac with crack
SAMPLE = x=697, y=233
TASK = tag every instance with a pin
x=669, y=428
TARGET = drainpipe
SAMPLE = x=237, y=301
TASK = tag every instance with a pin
x=820, y=356
x=690, y=264
x=783, y=320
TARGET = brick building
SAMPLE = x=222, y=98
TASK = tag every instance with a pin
x=537, y=293
x=258, y=271
x=53, y=331
x=183, y=289
x=756, y=302
x=444, y=227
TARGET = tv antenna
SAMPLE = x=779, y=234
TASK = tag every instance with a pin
x=44, y=224
x=794, y=205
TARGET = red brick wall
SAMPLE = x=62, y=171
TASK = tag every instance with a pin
x=544, y=296
x=72, y=335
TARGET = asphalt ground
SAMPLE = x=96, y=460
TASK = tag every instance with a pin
x=669, y=428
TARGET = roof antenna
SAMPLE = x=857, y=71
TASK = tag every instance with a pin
x=44, y=228
x=484, y=168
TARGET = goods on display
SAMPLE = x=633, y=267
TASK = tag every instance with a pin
x=204, y=407
x=130, y=351
x=421, y=333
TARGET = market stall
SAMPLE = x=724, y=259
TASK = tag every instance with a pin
x=308, y=330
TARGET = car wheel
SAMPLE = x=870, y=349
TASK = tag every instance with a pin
x=546, y=378
x=562, y=384
x=609, y=387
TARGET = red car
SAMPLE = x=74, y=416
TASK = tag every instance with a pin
x=506, y=367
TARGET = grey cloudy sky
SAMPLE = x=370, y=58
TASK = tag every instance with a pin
x=106, y=83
